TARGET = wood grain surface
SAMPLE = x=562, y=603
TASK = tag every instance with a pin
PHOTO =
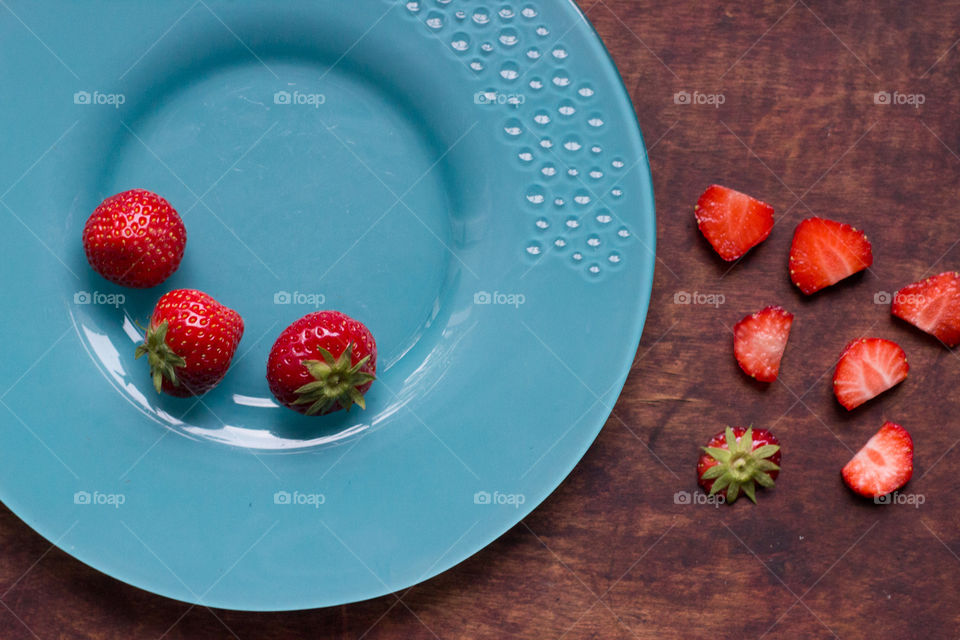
x=611, y=554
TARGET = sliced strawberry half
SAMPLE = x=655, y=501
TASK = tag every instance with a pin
x=883, y=465
x=825, y=252
x=733, y=222
x=759, y=341
x=868, y=367
x=932, y=305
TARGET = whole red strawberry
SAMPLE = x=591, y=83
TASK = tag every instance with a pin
x=190, y=342
x=134, y=239
x=323, y=362
x=739, y=458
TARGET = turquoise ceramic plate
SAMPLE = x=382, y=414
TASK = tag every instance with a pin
x=467, y=178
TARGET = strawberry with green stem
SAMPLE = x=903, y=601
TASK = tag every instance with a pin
x=323, y=362
x=190, y=342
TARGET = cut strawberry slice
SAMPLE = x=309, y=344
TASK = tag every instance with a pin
x=733, y=222
x=883, y=465
x=759, y=341
x=867, y=368
x=825, y=252
x=932, y=305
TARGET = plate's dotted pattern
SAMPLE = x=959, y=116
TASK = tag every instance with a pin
x=553, y=121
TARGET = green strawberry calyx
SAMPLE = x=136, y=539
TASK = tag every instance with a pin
x=162, y=359
x=740, y=466
x=335, y=380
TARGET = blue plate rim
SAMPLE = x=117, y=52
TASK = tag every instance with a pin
x=646, y=228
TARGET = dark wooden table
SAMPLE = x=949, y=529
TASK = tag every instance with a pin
x=611, y=554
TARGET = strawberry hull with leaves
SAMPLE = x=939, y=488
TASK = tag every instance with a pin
x=738, y=459
x=323, y=362
x=190, y=342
